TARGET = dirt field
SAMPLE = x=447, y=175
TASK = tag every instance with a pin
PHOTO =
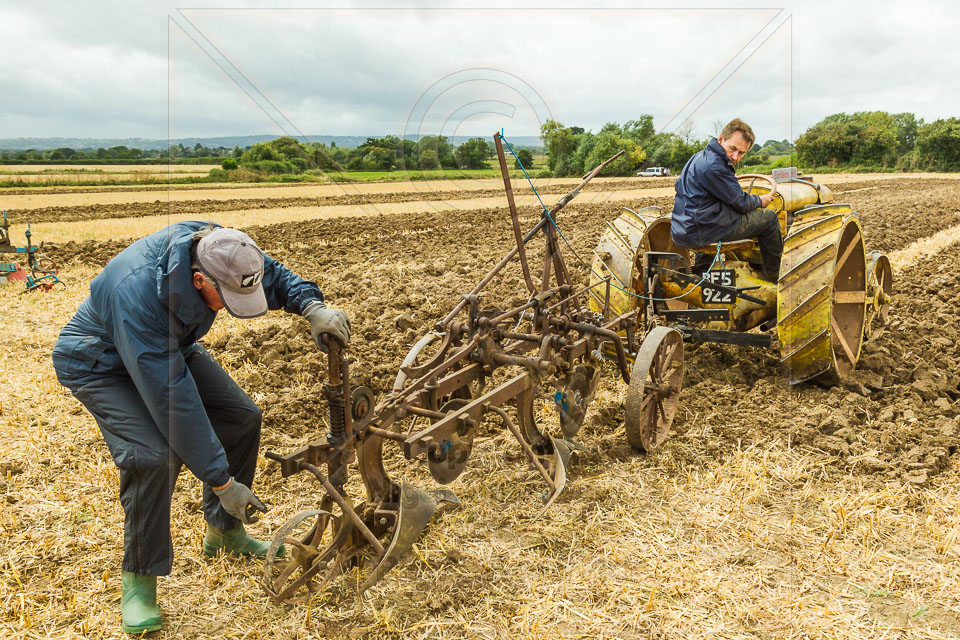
x=26, y=175
x=772, y=512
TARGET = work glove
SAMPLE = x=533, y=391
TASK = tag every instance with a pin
x=323, y=320
x=239, y=501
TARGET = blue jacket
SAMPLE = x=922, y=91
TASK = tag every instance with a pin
x=709, y=199
x=143, y=312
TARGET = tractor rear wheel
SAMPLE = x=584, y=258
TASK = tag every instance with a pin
x=821, y=295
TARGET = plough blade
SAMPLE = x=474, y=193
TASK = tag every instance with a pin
x=559, y=462
x=416, y=509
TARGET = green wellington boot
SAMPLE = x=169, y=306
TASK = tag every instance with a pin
x=235, y=542
x=138, y=603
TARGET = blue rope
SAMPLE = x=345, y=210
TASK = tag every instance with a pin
x=577, y=255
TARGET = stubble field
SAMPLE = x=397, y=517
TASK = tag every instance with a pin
x=772, y=512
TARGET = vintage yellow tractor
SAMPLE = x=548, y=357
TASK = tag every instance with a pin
x=832, y=296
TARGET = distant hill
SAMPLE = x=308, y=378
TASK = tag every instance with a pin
x=348, y=142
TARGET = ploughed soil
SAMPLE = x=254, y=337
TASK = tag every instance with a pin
x=885, y=431
x=893, y=417
x=894, y=214
x=200, y=207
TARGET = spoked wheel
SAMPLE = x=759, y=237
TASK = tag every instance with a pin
x=44, y=266
x=307, y=542
x=323, y=548
x=879, y=292
x=654, y=391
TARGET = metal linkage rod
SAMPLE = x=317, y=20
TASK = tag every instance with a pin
x=527, y=449
x=344, y=506
x=490, y=275
x=508, y=188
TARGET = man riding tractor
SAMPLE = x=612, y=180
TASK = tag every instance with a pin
x=710, y=205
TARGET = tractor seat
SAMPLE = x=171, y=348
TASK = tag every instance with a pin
x=733, y=245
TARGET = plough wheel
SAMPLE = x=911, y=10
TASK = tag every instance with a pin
x=879, y=292
x=821, y=296
x=44, y=266
x=654, y=391
x=309, y=546
x=322, y=548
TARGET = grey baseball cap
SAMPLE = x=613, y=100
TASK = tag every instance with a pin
x=235, y=263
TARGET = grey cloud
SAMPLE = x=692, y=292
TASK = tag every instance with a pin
x=100, y=68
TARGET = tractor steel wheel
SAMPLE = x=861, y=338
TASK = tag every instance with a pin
x=879, y=292
x=620, y=254
x=821, y=295
x=654, y=391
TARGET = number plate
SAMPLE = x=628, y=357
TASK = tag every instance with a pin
x=723, y=277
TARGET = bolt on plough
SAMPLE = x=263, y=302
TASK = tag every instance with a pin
x=550, y=346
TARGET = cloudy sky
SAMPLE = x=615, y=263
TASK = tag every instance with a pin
x=122, y=68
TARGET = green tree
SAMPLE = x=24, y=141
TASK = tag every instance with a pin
x=379, y=159
x=472, y=154
x=525, y=158
x=609, y=143
x=560, y=144
x=907, y=129
x=681, y=148
x=576, y=164
x=440, y=146
x=258, y=152
x=863, y=138
x=322, y=157
x=287, y=148
x=938, y=145
x=63, y=153
x=428, y=160
x=229, y=164
x=640, y=130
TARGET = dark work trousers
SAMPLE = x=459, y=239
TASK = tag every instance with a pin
x=149, y=467
x=763, y=225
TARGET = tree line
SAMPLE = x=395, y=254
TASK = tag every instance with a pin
x=882, y=140
x=287, y=155
x=865, y=140
x=573, y=151
x=389, y=153
x=862, y=140
x=120, y=154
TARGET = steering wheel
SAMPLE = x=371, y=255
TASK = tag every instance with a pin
x=753, y=178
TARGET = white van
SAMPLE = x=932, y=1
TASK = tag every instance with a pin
x=655, y=172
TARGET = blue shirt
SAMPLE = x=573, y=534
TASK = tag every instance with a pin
x=143, y=312
x=709, y=199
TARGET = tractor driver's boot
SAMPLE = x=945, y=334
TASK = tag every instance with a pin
x=138, y=603
x=236, y=542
